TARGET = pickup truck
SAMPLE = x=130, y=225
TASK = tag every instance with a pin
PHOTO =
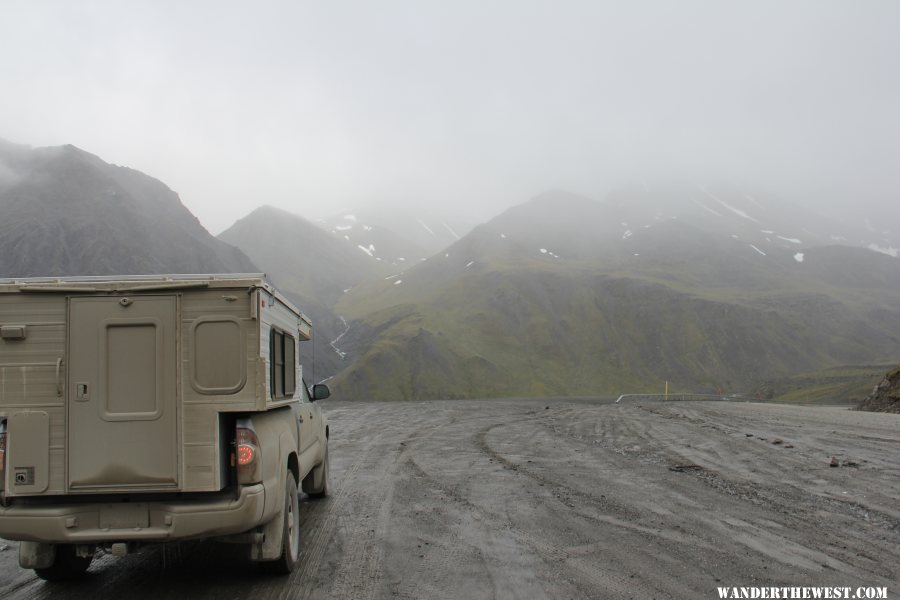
x=147, y=409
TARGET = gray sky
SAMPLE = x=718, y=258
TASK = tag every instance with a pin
x=317, y=107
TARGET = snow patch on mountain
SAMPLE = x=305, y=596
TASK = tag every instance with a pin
x=733, y=209
x=754, y=201
x=335, y=341
x=799, y=257
x=757, y=249
x=706, y=208
x=427, y=228
x=890, y=250
x=791, y=240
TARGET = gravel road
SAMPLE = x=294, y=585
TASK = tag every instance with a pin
x=560, y=498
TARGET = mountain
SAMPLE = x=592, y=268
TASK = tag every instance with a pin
x=64, y=211
x=399, y=236
x=313, y=268
x=564, y=295
x=746, y=213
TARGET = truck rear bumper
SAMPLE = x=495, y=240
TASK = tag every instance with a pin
x=85, y=523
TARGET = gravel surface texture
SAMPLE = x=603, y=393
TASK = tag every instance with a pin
x=559, y=498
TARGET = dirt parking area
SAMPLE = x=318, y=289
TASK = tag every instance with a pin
x=561, y=498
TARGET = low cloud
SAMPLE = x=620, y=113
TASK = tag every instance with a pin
x=8, y=176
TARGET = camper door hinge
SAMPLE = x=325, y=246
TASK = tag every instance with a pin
x=59, y=384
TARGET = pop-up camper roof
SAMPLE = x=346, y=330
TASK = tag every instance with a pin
x=116, y=284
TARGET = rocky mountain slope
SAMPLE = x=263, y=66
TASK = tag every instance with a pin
x=886, y=395
x=64, y=211
x=564, y=295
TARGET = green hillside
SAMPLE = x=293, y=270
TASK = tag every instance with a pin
x=549, y=299
x=838, y=385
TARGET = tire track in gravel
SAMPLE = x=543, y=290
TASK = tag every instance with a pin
x=480, y=440
x=432, y=575
x=797, y=508
x=786, y=497
x=358, y=570
x=587, y=575
x=361, y=569
x=317, y=545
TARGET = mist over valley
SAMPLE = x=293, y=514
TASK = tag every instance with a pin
x=711, y=287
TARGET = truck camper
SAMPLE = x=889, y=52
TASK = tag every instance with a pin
x=146, y=409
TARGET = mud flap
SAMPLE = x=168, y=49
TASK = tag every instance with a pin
x=36, y=555
x=270, y=547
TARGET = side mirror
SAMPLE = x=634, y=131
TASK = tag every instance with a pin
x=320, y=391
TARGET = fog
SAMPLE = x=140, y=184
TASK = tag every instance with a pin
x=318, y=107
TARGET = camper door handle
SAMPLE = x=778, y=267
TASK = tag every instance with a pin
x=81, y=392
x=59, y=386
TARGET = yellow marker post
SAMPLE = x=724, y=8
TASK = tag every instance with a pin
x=667, y=390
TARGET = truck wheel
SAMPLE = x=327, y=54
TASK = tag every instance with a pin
x=316, y=482
x=290, y=539
x=67, y=564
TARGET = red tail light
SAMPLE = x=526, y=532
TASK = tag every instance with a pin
x=247, y=453
x=247, y=446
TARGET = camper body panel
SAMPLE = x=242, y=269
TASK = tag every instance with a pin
x=32, y=376
x=122, y=394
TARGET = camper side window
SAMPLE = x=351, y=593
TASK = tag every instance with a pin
x=290, y=367
x=284, y=365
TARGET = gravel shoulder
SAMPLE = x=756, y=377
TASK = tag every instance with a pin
x=561, y=498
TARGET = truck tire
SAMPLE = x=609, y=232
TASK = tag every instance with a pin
x=315, y=484
x=67, y=564
x=290, y=539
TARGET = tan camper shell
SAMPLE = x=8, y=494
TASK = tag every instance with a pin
x=152, y=409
